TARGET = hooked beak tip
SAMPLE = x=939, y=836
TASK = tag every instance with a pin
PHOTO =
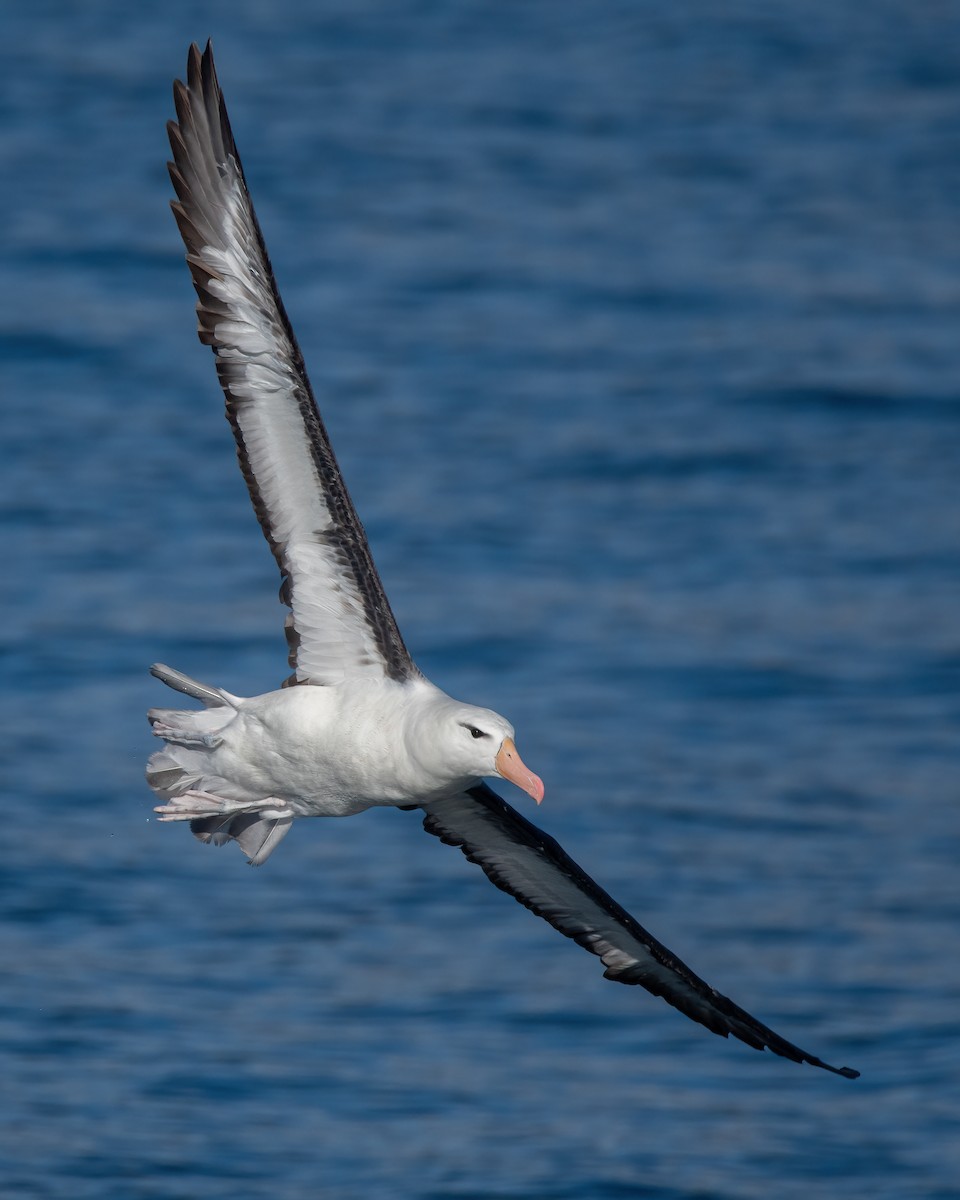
x=511, y=766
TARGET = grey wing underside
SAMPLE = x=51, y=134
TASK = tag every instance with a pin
x=532, y=867
x=340, y=623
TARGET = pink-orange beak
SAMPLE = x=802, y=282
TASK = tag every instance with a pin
x=510, y=766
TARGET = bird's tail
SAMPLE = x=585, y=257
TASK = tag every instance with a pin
x=212, y=697
x=184, y=773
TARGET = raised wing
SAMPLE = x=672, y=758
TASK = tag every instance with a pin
x=529, y=864
x=340, y=623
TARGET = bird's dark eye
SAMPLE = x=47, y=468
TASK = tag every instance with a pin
x=475, y=732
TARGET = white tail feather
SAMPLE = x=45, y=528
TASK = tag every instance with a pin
x=186, y=765
x=212, y=697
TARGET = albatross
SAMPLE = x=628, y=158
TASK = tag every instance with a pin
x=356, y=725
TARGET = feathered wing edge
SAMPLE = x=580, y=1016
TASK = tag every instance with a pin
x=531, y=866
x=329, y=579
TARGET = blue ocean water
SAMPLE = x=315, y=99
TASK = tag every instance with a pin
x=635, y=330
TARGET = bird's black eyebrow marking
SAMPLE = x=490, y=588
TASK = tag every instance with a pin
x=474, y=731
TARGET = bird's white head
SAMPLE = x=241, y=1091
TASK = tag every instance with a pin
x=478, y=742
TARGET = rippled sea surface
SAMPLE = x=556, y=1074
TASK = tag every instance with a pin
x=635, y=328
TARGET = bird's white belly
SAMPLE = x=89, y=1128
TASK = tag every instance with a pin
x=310, y=749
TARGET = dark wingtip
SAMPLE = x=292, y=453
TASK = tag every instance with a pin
x=846, y=1072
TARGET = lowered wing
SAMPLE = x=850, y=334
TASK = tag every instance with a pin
x=529, y=864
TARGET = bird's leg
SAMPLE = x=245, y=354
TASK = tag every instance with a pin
x=191, y=805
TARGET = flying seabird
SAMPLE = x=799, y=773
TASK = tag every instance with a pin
x=356, y=725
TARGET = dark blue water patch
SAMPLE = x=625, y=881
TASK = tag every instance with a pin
x=754, y=684
x=65, y=904
x=596, y=1186
x=594, y=124
x=856, y=402
x=932, y=67
x=102, y=260
x=619, y=465
x=35, y=345
x=647, y=300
